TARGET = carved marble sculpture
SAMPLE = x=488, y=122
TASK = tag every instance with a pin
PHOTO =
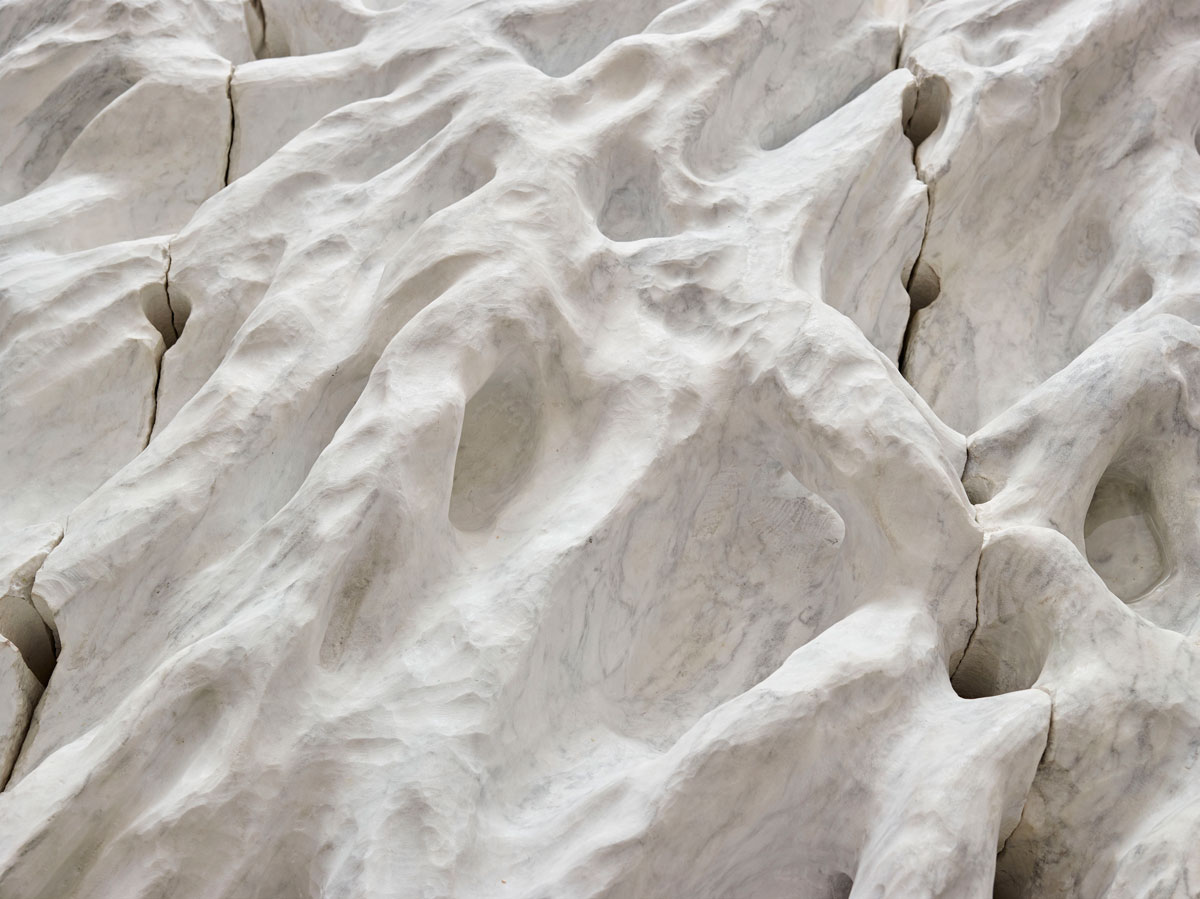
x=599, y=448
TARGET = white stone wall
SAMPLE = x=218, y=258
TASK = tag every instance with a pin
x=599, y=448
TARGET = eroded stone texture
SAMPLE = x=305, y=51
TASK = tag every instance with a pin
x=478, y=445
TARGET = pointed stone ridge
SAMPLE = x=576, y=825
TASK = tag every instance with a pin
x=599, y=448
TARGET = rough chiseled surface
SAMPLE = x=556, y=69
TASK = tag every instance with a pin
x=599, y=448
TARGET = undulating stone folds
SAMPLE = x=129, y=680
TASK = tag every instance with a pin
x=599, y=448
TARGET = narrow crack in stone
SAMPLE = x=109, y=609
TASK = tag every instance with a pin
x=232, y=122
x=963, y=658
x=902, y=358
x=975, y=628
x=1025, y=804
x=24, y=738
x=159, y=361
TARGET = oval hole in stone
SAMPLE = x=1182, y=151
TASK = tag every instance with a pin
x=496, y=449
x=930, y=104
x=1122, y=538
x=840, y=887
x=924, y=286
x=158, y=312
x=1002, y=657
x=21, y=624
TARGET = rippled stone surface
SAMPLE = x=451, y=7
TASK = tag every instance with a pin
x=578, y=448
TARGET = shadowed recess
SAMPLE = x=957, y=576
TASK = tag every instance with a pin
x=924, y=286
x=496, y=449
x=1122, y=537
x=21, y=624
x=929, y=109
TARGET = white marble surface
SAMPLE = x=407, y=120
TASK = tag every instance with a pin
x=461, y=449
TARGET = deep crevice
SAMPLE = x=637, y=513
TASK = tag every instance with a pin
x=24, y=737
x=975, y=629
x=930, y=103
x=169, y=339
x=930, y=100
x=902, y=357
x=1013, y=874
x=176, y=326
x=923, y=284
x=232, y=121
x=1025, y=804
